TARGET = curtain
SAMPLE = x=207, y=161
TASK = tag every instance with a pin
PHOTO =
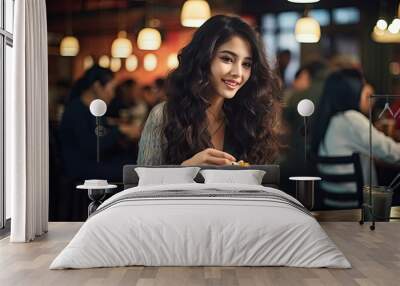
x=27, y=124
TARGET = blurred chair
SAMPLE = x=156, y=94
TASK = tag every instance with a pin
x=355, y=177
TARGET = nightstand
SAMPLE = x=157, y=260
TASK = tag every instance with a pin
x=96, y=193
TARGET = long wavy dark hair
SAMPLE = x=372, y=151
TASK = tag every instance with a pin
x=251, y=115
x=341, y=92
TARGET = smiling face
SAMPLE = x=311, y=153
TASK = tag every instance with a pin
x=231, y=67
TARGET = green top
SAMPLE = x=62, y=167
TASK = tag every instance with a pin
x=152, y=142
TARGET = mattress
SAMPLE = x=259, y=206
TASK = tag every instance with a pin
x=201, y=225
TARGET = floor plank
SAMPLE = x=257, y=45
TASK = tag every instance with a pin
x=375, y=257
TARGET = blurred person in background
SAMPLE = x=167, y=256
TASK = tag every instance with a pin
x=147, y=93
x=301, y=82
x=341, y=128
x=123, y=100
x=127, y=105
x=159, y=89
x=77, y=131
x=283, y=59
x=308, y=84
x=393, y=124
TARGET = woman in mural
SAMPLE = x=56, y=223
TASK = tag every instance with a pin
x=223, y=102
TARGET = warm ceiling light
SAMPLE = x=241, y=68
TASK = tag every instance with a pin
x=381, y=24
x=150, y=62
x=194, y=13
x=88, y=62
x=122, y=46
x=104, y=61
x=382, y=33
x=131, y=63
x=115, y=64
x=394, y=27
x=307, y=30
x=172, y=61
x=69, y=46
x=384, y=36
x=149, y=39
x=396, y=22
x=303, y=1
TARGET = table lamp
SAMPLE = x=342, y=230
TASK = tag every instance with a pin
x=305, y=185
x=305, y=108
x=98, y=108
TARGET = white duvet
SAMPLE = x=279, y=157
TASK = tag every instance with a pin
x=183, y=231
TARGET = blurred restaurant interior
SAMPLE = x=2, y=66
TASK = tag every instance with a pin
x=304, y=42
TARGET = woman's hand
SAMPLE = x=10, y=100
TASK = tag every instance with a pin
x=210, y=156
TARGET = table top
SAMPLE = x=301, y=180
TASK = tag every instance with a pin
x=304, y=178
x=87, y=187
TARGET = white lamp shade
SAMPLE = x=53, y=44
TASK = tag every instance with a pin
x=149, y=39
x=69, y=46
x=305, y=107
x=394, y=27
x=150, y=62
x=121, y=47
x=303, y=1
x=88, y=62
x=194, y=13
x=131, y=63
x=98, y=107
x=307, y=30
x=384, y=36
x=381, y=24
x=115, y=64
x=396, y=24
x=104, y=61
x=172, y=61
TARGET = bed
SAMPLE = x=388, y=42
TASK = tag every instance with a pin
x=201, y=224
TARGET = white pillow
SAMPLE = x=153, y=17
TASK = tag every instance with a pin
x=162, y=176
x=248, y=177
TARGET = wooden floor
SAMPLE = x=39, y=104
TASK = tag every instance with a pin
x=374, y=255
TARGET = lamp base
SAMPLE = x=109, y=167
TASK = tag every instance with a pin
x=305, y=187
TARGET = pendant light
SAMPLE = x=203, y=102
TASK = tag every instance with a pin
x=115, y=64
x=149, y=39
x=307, y=30
x=384, y=36
x=104, y=61
x=131, y=63
x=384, y=33
x=69, y=46
x=172, y=61
x=194, y=13
x=121, y=46
x=88, y=62
x=150, y=62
